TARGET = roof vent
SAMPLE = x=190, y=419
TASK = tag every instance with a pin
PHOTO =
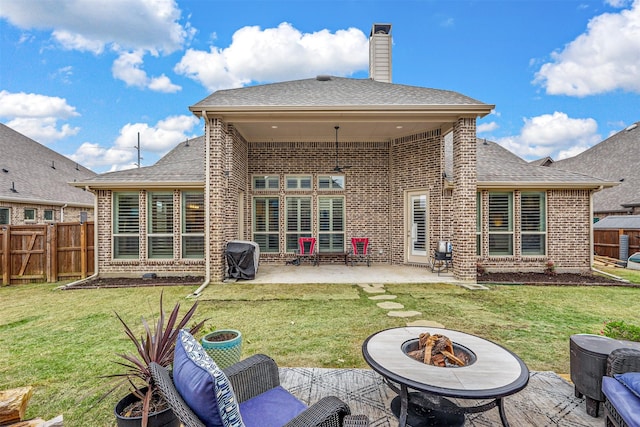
x=13, y=187
x=323, y=78
x=53, y=164
x=5, y=170
x=632, y=127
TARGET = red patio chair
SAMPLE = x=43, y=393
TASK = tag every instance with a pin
x=307, y=250
x=360, y=250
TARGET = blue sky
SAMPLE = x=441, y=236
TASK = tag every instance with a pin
x=85, y=77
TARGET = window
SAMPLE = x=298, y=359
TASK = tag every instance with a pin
x=48, y=215
x=478, y=223
x=331, y=224
x=533, y=224
x=266, y=220
x=160, y=225
x=331, y=182
x=193, y=224
x=5, y=216
x=266, y=182
x=126, y=225
x=500, y=223
x=29, y=214
x=298, y=221
x=298, y=182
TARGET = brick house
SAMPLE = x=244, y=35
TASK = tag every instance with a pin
x=336, y=158
x=34, y=183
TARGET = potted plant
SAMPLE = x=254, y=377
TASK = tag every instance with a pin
x=144, y=406
x=224, y=346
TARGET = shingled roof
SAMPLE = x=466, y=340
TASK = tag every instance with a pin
x=38, y=174
x=183, y=166
x=617, y=158
x=498, y=167
x=330, y=91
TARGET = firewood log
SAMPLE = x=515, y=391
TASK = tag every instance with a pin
x=452, y=358
x=13, y=404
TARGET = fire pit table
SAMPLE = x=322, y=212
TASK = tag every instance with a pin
x=493, y=374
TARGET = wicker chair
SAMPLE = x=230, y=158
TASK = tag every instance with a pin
x=620, y=361
x=251, y=377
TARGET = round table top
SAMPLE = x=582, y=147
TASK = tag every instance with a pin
x=599, y=344
x=497, y=372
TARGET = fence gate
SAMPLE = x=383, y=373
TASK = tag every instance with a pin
x=46, y=253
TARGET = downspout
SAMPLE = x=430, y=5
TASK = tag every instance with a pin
x=207, y=220
x=591, y=259
x=95, y=243
x=62, y=212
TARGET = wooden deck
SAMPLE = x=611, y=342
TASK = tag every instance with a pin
x=548, y=400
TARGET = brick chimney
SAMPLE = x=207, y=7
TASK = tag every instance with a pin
x=380, y=53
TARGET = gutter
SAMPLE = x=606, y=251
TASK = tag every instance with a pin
x=207, y=218
x=95, y=248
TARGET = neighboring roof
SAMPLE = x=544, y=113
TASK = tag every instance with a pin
x=330, y=91
x=614, y=159
x=38, y=174
x=183, y=166
x=627, y=222
x=498, y=167
x=545, y=161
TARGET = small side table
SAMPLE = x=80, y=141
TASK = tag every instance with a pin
x=588, y=360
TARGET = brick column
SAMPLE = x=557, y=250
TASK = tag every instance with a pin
x=214, y=197
x=464, y=199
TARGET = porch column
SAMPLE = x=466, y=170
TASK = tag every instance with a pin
x=464, y=199
x=215, y=191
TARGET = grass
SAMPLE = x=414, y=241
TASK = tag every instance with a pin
x=62, y=342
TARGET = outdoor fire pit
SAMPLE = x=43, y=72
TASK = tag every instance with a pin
x=438, y=350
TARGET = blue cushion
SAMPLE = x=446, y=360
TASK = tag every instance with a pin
x=202, y=385
x=626, y=403
x=631, y=380
x=273, y=408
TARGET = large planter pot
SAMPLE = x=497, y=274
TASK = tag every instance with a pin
x=164, y=418
x=224, y=346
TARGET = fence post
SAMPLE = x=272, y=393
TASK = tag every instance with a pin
x=52, y=272
x=6, y=255
x=83, y=250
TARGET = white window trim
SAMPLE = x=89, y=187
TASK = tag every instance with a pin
x=298, y=178
x=267, y=178
x=114, y=234
x=268, y=232
x=332, y=179
x=183, y=219
x=299, y=233
x=544, y=233
x=150, y=221
x=344, y=219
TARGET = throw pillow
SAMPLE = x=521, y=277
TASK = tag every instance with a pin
x=631, y=380
x=203, y=385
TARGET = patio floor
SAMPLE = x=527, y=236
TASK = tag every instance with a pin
x=340, y=273
x=548, y=400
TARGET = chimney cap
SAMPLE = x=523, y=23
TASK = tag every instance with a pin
x=380, y=29
x=323, y=77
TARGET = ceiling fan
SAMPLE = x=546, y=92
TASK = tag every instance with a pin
x=338, y=168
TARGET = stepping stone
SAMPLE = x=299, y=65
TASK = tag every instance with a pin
x=387, y=305
x=403, y=313
x=474, y=286
x=427, y=323
x=373, y=290
x=383, y=297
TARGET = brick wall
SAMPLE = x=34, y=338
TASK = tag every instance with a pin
x=71, y=213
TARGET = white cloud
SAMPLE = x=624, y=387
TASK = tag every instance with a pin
x=555, y=135
x=127, y=68
x=156, y=139
x=487, y=127
x=84, y=25
x=131, y=28
x=603, y=59
x=36, y=116
x=276, y=54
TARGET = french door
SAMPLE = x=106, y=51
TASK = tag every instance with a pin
x=416, y=228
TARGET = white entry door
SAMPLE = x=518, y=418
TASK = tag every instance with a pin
x=417, y=229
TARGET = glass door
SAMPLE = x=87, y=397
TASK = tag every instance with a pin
x=417, y=227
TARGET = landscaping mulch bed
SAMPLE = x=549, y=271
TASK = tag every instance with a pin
x=549, y=279
x=137, y=282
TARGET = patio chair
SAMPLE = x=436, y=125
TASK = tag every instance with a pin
x=360, y=250
x=442, y=258
x=307, y=250
x=621, y=388
x=249, y=389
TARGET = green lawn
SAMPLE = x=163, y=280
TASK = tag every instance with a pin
x=61, y=342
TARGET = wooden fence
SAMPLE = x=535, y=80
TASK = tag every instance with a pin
x=46, y=253
x=607, y=242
